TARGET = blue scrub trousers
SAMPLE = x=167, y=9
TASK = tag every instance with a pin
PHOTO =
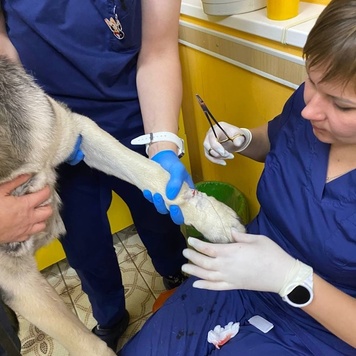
x=180, y=327
x=86, y=194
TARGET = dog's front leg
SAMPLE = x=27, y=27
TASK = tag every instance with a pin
x=211, y=217
x=29, y=294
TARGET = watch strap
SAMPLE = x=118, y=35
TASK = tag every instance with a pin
x=160, y=136
x=296, y=275
x=248, y=138
x=300, y=285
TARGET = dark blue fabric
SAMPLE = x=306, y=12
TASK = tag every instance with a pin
x=181, y=326
x=10, y=344
x=75, y=57
x=311, y=220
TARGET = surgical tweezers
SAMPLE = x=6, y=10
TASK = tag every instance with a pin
x=211, y=119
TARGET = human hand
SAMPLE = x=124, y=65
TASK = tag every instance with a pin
x=217, y=152
x=253, y=262
x=77, y=155
x=22, y=216
x=178, y=175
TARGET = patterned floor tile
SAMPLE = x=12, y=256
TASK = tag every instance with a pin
x=69, y=275
x=133, y=245
x=139, y=298
x=126, y=233
x=35, y=342
x=82, y=306
x=54, y=278
x=145, y=267
x=121, y=252
x=141, y=288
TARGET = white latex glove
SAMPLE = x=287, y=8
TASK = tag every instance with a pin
x=218, y=152
x=254, y=262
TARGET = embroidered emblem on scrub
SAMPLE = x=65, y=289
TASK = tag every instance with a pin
x=115, y=25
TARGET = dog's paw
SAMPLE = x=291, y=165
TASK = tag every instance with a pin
x=213, y=219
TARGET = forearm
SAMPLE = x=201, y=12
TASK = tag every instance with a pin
x=159, y=80
x=259, y=146
x=334, y=309
x=160, y=95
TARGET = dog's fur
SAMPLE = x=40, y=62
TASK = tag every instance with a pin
x=37, y=134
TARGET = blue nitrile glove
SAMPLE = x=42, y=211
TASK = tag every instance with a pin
x=77, y=155
x=171, y=163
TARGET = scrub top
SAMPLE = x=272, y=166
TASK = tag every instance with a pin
x=312, y=220
x=74, y=55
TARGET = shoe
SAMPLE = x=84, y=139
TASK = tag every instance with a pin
x=171, y=282
x=111, y=336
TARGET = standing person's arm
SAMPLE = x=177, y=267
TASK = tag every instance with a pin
x=159, y=80
x=159, y=85
x=7, y=49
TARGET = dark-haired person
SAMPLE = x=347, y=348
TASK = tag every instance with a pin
x=290, y=282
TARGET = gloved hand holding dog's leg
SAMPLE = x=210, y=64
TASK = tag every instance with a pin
x=178, y=175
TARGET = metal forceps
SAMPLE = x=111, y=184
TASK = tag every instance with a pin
x=211, y=119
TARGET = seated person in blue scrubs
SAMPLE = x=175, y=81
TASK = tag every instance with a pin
x=296, y=267
x=116, y=62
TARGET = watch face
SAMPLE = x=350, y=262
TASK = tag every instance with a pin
x=299, y=295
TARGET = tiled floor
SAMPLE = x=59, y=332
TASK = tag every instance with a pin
x=142, y=287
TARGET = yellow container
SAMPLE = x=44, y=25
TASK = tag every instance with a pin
x=282, y=9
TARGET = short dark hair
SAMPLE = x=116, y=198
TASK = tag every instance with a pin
x=331, y=44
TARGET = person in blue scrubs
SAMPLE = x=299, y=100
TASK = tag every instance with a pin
x=290, y=282
x=115, y=61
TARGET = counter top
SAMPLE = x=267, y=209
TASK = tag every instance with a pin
x=292, y=32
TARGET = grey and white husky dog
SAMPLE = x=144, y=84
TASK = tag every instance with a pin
x=37, y=134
